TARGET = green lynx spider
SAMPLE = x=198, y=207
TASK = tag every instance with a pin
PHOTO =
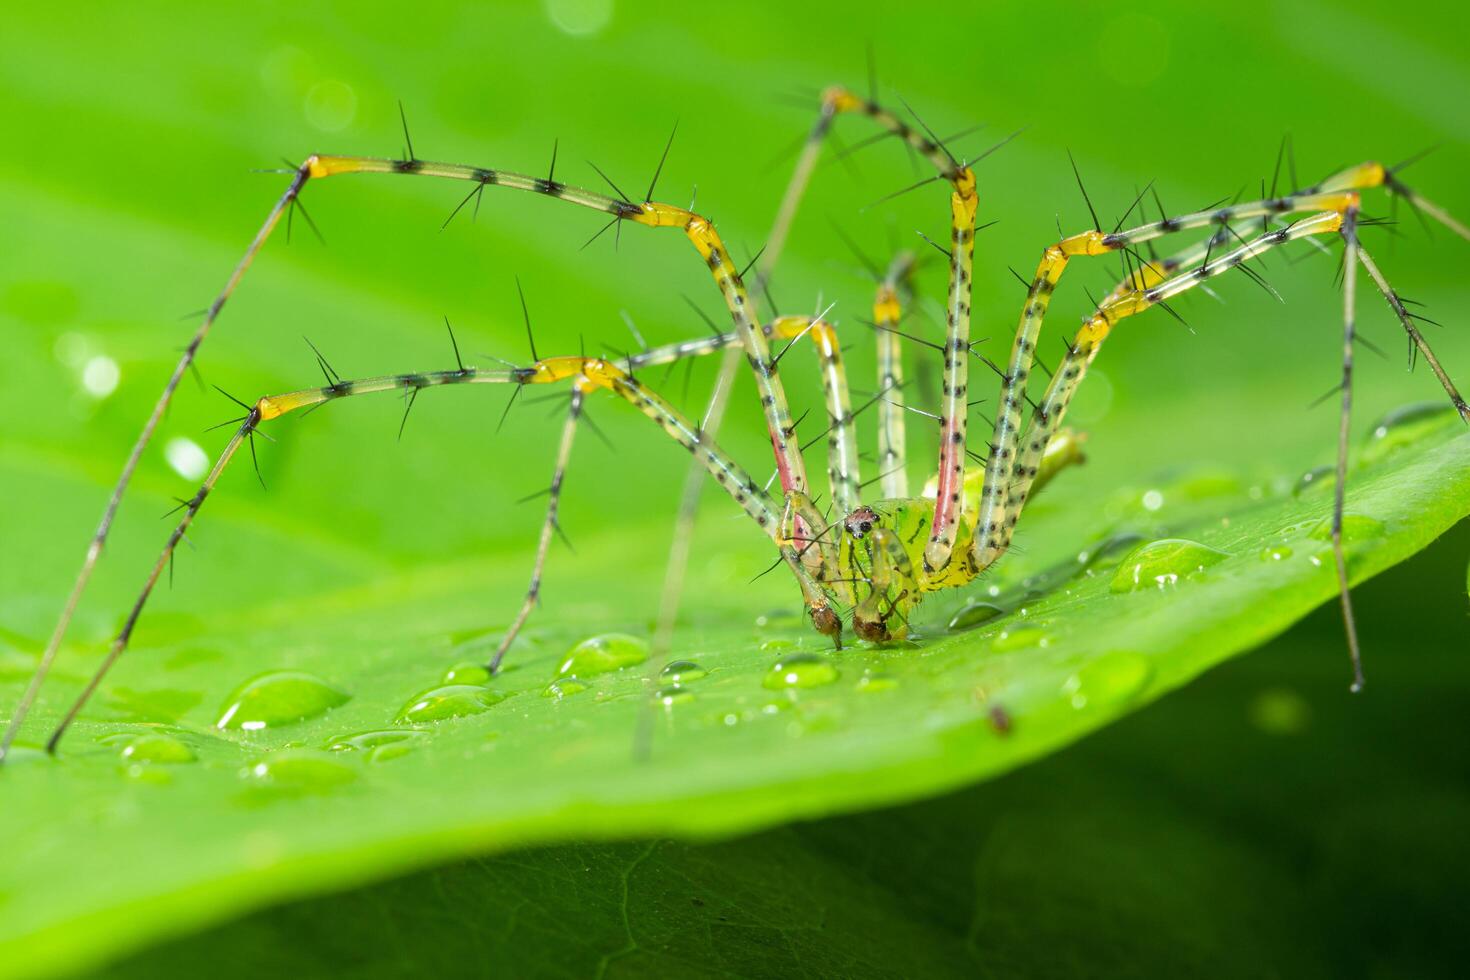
x=877, y=559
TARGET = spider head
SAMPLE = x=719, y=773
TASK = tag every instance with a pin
x=861, y=521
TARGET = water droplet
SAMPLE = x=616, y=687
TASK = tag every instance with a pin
x=376, y=739
x=672, y=695
x=682, y=672
x=1355, y=527
x=800, y=670
x=1314, y=477
x=873, y=681
x=1110, y=678
x=300, y=771
x=564, y=687
x=1019, y=637
x=1276, y=552
x=1105, y=553
x=387, y=753
x=279, y=698
x=157, y=747
x=1153, y=500
x=1161, y=564
x=467, y=672
x=1280, y=711
x=601, y=654
x=777, y=645
x=1407, y=415
x=450, y=701
x=1402, y=427
x=973, y=613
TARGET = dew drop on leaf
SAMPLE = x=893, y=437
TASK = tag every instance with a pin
x=1161, y=564
x=1108, y=679
x=672, y=695
x=450, y=701
x=467, y=672
x=564, y=687
x=375, y=739
x=279, y=698
x=874, y=681
x=800, y=670
x=1019, y=637
x=973, y=613
x=1314, y=477
x=157, y=747
x=300, y=770
x=1355, y=527
x=602, y=654
x=1105, y=553
x=682, y=672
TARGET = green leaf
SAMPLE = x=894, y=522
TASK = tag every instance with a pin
x=378, y=567
x=154, y=821
x=1258, y=823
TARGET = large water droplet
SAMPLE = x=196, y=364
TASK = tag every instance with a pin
x=467, y=672
x=1108, y=679
x=973, y=613
x=157, y=747
x=450, y=701
x=682, y=672
x=1019, y=637
x=564, y=687
x=1317, y=476
x=800, y=670
x=1276, y=552
x=601, y=654
x=300, y=771
x=1355, y=527
x=376, y=739
x=279, y=698
x=1161, y=564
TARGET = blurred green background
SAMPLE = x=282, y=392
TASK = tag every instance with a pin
x=127, y=192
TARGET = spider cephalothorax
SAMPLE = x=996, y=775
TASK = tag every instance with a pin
x=861, y=521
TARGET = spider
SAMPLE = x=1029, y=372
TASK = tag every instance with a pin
x=876, y=559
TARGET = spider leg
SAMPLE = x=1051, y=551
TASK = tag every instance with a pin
x=580, y=387
x=887, y=312
x=889, y=567
x=1339, y=490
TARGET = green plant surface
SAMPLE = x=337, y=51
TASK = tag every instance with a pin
x=1222, y=831
x=377, y=566
x=357, y=741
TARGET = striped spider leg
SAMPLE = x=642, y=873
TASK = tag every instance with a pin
x=798, y=515
x=1330, y=207
x=699, y=230
x=585, y=375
